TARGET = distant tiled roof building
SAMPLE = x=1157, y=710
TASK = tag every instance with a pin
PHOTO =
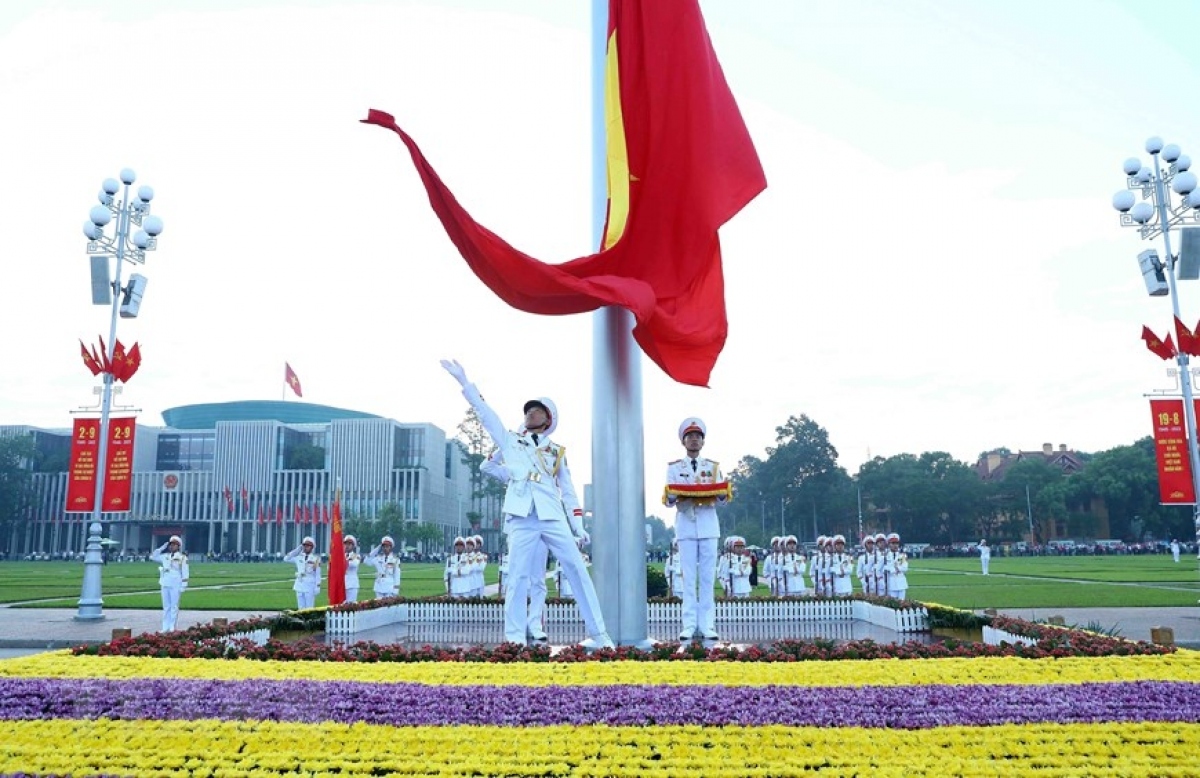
x=993, y=465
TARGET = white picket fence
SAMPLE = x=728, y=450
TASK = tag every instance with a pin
x=994, y=637
x=728, y=612
x=258, y=636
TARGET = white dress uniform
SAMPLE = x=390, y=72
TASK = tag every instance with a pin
x=881, y=573
x=535, y=626
x=308, y=574
x=697, y=531
x=457, y=571
x=353, y=561
x=841, y=572
x=561, y=583
x=387, y=572
x=674, y=573
x=739, y=575
x=767, y=572
x=792, y=569
x=985, y=556
x=864, y=570
x=172, y=580
x=897, y=568
x=540, y=505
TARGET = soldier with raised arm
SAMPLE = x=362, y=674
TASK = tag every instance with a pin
x=539, y=505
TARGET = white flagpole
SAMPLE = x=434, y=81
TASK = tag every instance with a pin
x=618, y=456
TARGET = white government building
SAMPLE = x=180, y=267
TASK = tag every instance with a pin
x=266, y=458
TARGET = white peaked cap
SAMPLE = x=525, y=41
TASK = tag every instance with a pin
x=692, y=424
x=387, y=539
x=308, y=539
x=839, y=538
x=551, y=409
x=175, y=539
x=893, y=536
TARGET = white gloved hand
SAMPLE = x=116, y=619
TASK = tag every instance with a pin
x=583, y=538
x=453, y=368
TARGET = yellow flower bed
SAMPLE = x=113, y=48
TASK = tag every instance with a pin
x=218, y=748
x=1180, y=666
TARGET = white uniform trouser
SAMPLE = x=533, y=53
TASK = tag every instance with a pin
x=524, y=535
x=698, y=558
x=897, y=594
x=984, y=561
x=537, y=591
x=170, y=601
x=351, y=594
x=305, y=599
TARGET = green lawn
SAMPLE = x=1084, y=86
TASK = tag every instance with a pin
x=213, y=585
x=1027, y=582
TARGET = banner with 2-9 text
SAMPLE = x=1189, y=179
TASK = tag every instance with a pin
x=118, y=471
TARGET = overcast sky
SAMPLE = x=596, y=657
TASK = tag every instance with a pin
x=934, y=266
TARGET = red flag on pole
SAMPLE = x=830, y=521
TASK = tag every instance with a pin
x=133, y=360
x=89, y=360
x=118, y=360
x=296, y=515
x=229, y=499
x=104, y=357
x=289, y=377
x=1165, y=349
x=279, y=515
x=262, y=517
x=337, y=556
x=245, y=498
x=1187, y=340
x=680, y=165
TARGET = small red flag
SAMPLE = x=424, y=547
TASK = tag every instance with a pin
x=279, y=515
x=289, y=377
x=1187, y=340
x=262, y=518
x=88, y=360
x=337, y=556
x=229, y=499
x=1164, y=349
x=245, y=498
x=119, y=363
x=297, y=515
x=133, y=360
x=104, y=357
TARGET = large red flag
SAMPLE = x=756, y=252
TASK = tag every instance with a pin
x=133, y=361
x=337, y=556
x=289, y=376
x=119, y=364
x=680, y=165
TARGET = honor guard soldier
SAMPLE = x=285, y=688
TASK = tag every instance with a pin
x=535, y=628
x=985, y=555
x=881, y=575
x=308, y=572
x=739, y=569
x=865, y=570
x=481, y=563
x=172, y=578
x=540, y=505
x=792, y=567
x=695, y=486
x=561, y=583
x=353, y=560
x=673, y=570
x=457, y=585
x=387, y=568
x=897, y=568
x=814, y=562
x=841, y=568
x=769, y=566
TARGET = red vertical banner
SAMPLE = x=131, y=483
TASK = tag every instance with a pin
x=81, y=479
x=1171, y=453
x=118, y=474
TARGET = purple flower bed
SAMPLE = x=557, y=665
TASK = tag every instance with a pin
x=904, y=707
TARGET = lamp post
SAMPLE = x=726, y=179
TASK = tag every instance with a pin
x=124, y=301
x=1154, y=215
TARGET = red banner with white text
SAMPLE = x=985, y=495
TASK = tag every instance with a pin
x=118, y=471
x=118, y=476
x=81, y=478
x=1171, y=453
